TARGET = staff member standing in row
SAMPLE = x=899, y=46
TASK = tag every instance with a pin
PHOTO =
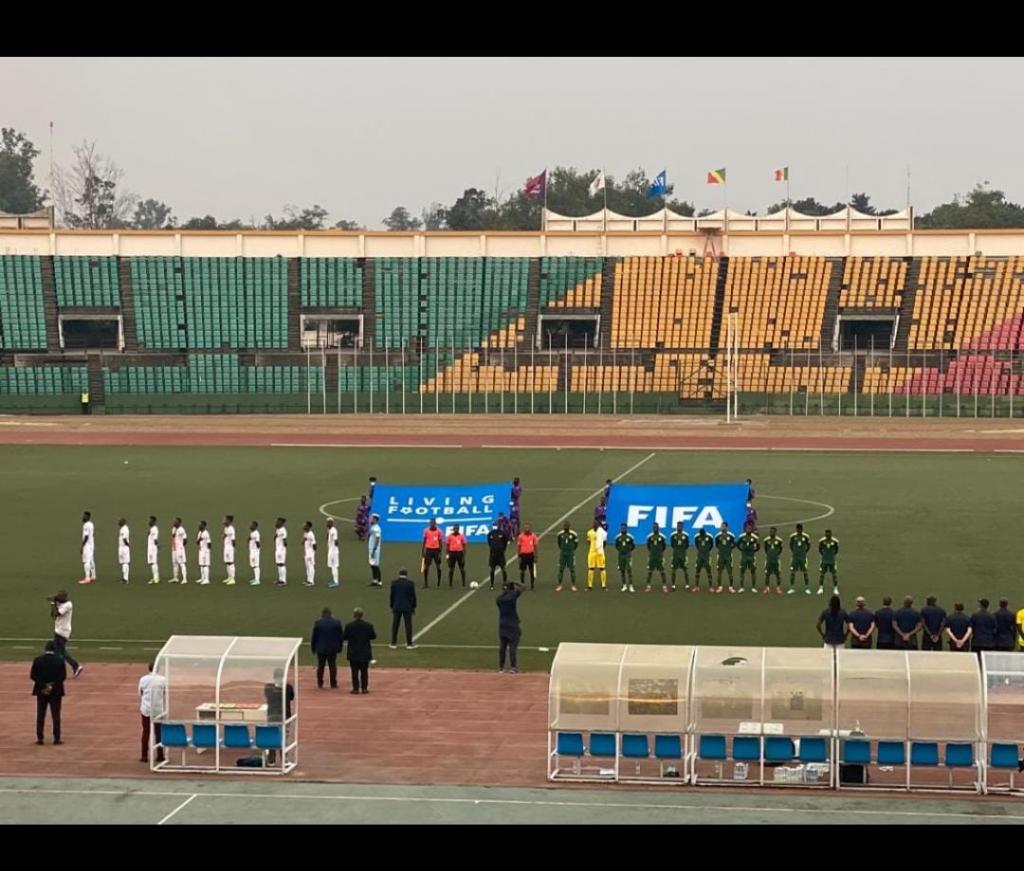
x=326, y=643
x=403, y=606
x=48, y=674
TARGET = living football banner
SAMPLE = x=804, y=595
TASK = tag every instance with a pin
x=697, y=505
x=406, y=509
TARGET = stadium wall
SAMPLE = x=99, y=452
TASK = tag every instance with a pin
x=329, y=243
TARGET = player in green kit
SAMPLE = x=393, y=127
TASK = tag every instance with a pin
x=568, y=541
x=772, y=554
x=799, y=547
x=828, y=549
x=725, y=544
x=625, y=544
x=680, y=544
x=656, y=545
x=704, y=543
x=748, y=544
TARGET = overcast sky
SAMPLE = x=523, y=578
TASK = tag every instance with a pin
x=243, y=137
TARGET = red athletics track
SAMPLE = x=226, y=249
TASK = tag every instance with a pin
x=525, y=431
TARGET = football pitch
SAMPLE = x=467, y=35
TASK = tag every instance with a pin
x=908, y=523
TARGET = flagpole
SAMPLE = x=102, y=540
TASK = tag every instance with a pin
x=544, y=214
x=604, y=187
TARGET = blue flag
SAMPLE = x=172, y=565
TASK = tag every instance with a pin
x=697, y=505
x=659, y=186
x=406, y=509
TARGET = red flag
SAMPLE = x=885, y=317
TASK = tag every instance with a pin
x=536, y=186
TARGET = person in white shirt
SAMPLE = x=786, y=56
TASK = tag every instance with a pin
x=178, y=539
x=124, y=549
x=229, y=549
x=373, y=541
x=88, y=549
x=254, y=553
x=281, y=551
x=333, y=560
x=203, y=546
x=60, y=611
x=152, y=695
x=152, y=550
x=309, y=552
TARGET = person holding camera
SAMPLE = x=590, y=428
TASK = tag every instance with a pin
x=48, y=674
x=509, y=631
x=60, y=611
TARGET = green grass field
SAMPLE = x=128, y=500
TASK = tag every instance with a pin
x=908, y=523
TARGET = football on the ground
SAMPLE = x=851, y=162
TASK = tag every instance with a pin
x=473, y=585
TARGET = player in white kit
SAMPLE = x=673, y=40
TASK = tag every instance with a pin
x=254, y=553
x=281, y=551
x=333, y=560
x=373, y=540
x=88, y=549
x=203, y=546
x=309, y=552
x=178, y=540
x=229, y=549
x=152, y=551
x=124, y=549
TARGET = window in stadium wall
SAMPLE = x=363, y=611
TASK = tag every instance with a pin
x=866, y=331
x=583, y=331
x=90, y=332
x=649, y=696
x=332, y=331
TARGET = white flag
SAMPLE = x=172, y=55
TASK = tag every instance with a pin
x=597, y=184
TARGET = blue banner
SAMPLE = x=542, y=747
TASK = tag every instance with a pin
x=406, y=509
x=697, y=505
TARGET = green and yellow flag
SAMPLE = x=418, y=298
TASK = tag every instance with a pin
x=716, y=176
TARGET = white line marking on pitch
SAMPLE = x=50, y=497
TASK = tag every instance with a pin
x=510, y=560
x=185, y=803
x=356, y=445
x=619, y=805
x=323, y=509
x=828, y=513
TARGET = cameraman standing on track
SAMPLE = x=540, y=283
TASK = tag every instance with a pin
x=60, y=611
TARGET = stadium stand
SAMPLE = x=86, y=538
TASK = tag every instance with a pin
x=663, y=302
x=22, y=318
x=87, y=282
x=570, y=282
x=331, y=282
x=206, y=326
x=873, y=283
x=779, y=301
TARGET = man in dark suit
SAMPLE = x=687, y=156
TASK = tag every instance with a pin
x=326, y=644
x=509, y=631
x=403, y=606
x=48, y=674
x=358, y=635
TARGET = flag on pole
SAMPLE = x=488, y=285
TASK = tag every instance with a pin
x=782, y=174
x=716, y=176
x=597, y=184
x=659, y=186
x=536, y=186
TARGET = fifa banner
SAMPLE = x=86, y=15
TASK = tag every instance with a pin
x=641, y=505
x=406, y=509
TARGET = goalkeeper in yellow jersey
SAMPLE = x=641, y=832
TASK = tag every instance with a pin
x=596, y=536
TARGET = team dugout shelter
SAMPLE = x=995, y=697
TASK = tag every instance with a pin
x=230, y=704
